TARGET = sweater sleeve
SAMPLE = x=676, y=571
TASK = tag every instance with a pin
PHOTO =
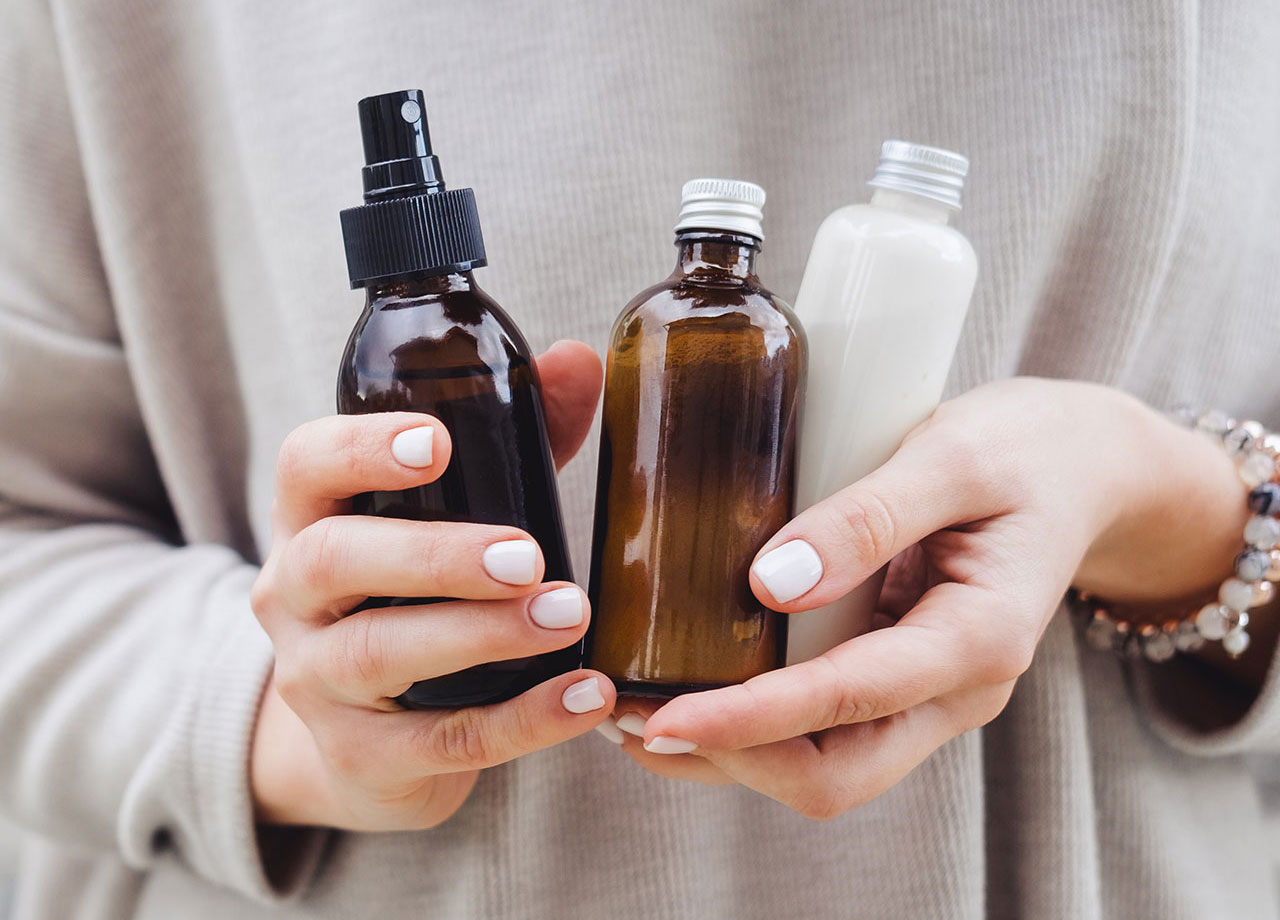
x=131, y=665
x=1195, y=708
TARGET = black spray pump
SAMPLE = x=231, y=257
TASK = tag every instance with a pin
x=397, y=146
x=409, y=222
x=431, y=341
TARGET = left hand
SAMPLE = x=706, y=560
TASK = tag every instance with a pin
x=989, y=510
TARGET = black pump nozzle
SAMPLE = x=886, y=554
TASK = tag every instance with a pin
x=397, y=146
x=409, y=224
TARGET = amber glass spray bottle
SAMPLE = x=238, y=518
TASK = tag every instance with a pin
x=703, y=379
x=431, y=341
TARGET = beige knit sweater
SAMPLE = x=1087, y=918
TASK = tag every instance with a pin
x=173, y=301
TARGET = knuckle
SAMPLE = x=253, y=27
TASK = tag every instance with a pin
x=290, y=680
x=349, y=761
x=291, y=459
x=433, y=540
x=353, y=444
x=1008, y=659
x=818, y=802
x=968, y=452
x=459, y=740
x=849, y=702
x=522, y=728
x=263, y=596
x=319, y=551
x=962, y=445
x=863, y=519
x=357, y=654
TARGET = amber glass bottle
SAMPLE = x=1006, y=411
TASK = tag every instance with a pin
x=430, y=340
x=703, y=377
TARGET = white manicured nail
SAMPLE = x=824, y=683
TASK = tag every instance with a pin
x=666, y=744
x=632, y=723
x=558, y=609
x=584, y=696
x=511, y=562
x=610, y=731
x=790, y=570
x=412, y=447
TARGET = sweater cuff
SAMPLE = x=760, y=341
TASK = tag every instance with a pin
x=267, y=864
x=207, y=803
x=1195, y=709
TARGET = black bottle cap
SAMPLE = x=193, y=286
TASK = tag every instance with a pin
x=409, y=223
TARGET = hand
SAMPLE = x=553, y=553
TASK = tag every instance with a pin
x=330, y=747
x=989, y=510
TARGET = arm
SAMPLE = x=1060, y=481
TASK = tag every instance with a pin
x=989, y=510
x=137, y=711
x=130, y=666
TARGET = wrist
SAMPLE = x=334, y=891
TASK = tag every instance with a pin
x=293, y=786
x=286, y=773
x=1178, y=514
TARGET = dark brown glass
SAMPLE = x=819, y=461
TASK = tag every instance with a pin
x=440, y=345
x=697, y=456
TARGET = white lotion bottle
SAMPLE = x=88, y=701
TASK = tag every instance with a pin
x=883, y=300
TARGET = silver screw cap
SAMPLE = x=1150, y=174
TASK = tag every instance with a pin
x=930, y=172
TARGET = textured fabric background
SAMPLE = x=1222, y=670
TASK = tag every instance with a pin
x=173, y=302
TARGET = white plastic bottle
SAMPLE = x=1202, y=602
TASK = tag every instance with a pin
x=882, y=301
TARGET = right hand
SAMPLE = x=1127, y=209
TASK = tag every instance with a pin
x=331, y=748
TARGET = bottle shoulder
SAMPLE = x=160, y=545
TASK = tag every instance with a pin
x=427, y=317
x=437, y=333
x=674, y=300
x=866, y=224
x=682, y=323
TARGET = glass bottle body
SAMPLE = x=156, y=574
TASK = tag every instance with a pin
x=440, y=345
x=703, y=379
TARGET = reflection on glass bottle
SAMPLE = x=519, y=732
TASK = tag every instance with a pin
x=438, y=344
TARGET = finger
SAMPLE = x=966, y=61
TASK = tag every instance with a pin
x=849, y=766
x=336, y=562
x=939, y=647
x=833, y=546
x=629, y=714
x=476, y=738
x=373, y=655
x=688, y=767
x=571, y=376
x=323, y=463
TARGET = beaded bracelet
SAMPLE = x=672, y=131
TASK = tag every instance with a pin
x=1257, y=568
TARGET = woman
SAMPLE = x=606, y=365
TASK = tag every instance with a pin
x=171, y=313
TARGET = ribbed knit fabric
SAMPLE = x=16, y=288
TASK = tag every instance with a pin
x=173, y=301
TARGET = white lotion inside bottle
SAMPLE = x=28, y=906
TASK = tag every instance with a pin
x=883, y=300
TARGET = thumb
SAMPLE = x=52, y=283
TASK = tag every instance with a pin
x=832, y=547
x=571, y=377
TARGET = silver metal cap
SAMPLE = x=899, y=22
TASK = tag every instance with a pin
x=930, y=172
x=722, y=204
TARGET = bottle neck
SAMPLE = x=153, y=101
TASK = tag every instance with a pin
x=411, y=287
x=708, y=255
x=935, y=212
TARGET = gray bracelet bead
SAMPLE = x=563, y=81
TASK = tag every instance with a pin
x=1262, y=531
x=1265, y=498
x=1253, y=565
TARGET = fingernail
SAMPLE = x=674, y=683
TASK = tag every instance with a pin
x=666, y=744
x=584, y=696
x=632, y=723
x=790, y=570
x=511, y=562
x=610, y=731
x=412, y=447
x=558, y=609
